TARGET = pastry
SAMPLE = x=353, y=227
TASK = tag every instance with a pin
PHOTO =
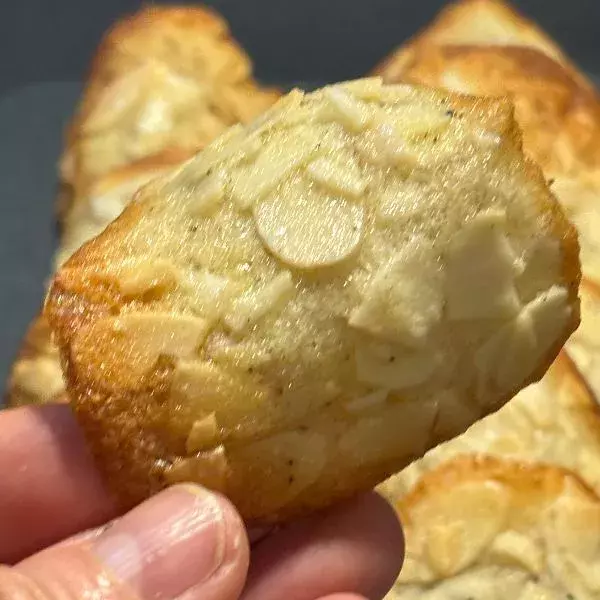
x=305, y=306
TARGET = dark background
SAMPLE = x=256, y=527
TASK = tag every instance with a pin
x=46, y=45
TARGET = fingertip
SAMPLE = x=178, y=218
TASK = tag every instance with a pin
x=353, y=548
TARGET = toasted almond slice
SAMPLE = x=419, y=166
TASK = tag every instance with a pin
x=203, y=435
x=511, y=547
x=307, y=230
x=404, y=300
x=510, y=355
x=209, y=195
x=412, y=121
x=138, y=277
x=137, y=340
x=394, y=367
x=256, y=303
x=464, y=521
x=368, y=88
x=41, y=377
x=273, y=164
x=351, y=112
x=208, y=468
x=482, y=268
x=338, y=176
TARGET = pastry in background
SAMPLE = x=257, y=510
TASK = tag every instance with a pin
x=495, y=529
x=166, y=77
x=164, y=82
x=317, y=298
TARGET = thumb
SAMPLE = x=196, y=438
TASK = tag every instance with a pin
x=184, y=543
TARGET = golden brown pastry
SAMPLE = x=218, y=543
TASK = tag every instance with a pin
x=495, y=529
x=306, y=306
x=166, y=77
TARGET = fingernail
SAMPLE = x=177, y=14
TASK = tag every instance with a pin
x=169, y=544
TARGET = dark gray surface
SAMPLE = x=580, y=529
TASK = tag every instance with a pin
x=53, y=40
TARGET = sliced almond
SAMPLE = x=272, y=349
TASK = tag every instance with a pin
x=351, y=112
x=139, y=276
x=340, y=176
x=206, y=388
x=405, y=298
x=374, y=400
x=511, y=354
x=383, y=146
x=210, y=469
x=482, y=268
x=208, y=195
x=367, y=88
x=256, y=303
x=513, y=548
x=415, y=120
x=375, y=438
x=41, y=377
x=464, y=521
x=307, y=230
x=203, y=435
x=135, y=341
x=284, y=153
x=394, y=367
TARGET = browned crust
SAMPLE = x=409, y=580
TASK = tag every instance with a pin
x=479, y=22
x=559, y=116
x=530, y=480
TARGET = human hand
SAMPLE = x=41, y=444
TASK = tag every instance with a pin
x=184, y=543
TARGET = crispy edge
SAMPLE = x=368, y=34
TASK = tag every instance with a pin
x=451, y=27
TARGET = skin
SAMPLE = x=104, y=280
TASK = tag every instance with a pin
x=61, y=537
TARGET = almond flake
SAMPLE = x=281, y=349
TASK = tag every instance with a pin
x=338, y=176
x=306, y=230
x=203, y=435
x=256, y=303
x=482, y=268
x=208, y=195
x=354, y=114
x=404, y=300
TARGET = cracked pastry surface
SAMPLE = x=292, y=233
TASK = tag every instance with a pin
x=494, y=529
x=288, y=315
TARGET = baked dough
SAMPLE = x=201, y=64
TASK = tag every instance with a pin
x=165, y=77
x=293, y=314
x=36, y=375
x=496, y=529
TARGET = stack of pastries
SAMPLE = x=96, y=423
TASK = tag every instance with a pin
x=509, y=509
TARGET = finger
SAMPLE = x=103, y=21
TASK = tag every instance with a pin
x=50, y=488
x=183, y=543
x=355, y=548
x=344, y=597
